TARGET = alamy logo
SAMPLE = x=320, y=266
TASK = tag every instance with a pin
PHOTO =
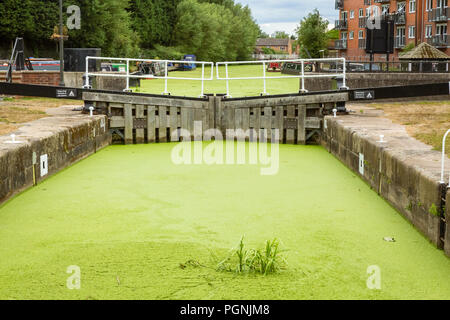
x=228, y=152
x=374, y=18
x=74, y=281
x=74, y=20
x=374, y=280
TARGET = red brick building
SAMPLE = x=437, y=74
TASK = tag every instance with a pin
x=421, y=21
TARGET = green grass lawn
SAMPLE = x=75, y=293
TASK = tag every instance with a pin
x=128, y=218
x=238, y=88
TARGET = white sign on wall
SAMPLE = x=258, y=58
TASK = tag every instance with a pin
x=361, y=164
x=44, y=165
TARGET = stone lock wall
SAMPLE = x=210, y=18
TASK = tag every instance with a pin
x=412, y=189
x=61, y=140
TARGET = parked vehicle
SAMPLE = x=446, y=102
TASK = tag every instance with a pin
x=188, y=66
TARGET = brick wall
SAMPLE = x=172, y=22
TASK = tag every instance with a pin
x=50, y=78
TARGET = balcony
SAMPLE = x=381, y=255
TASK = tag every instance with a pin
x=400, y=19
x=341, y=24
x=381, y=1
x=438, y=15
x=399, y=42
x=339, y=4
x=362, y=43
x=367, y=2
x=340, y=44
x=362, y=22
x=439, y=41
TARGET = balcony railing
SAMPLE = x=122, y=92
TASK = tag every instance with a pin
x=340, y=44
x=339, y=4
x=341, y=24
x=439, y=41
x=399, y=42
x=400, y=19
x=381, y=1
x=438, y=14
x=367, y=2
x=362, y=43
x=362, y=22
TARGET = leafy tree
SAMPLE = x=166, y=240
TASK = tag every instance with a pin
x=215, y=32
x=312, y=34
x=154, y=21
x=280, y=35
x=105, y=24
x=333, y=34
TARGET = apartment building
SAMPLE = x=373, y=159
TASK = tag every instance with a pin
x=419, y=21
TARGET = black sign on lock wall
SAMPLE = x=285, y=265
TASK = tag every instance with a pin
x=380, y=40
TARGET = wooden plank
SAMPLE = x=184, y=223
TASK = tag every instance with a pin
x=151, y=124
x=117, y=122
x=301, y=132
x=289, y=100
x=313, y=123
x=128, y=113
x=165, y=101
x=211, y=113
x=190, y=121
x=229, y=118
x=266, y=122
x=162, y=114
x=290, y=133
x=279, y=122
x=245, y=118
x=173, y=124
x=140, y=132
x=237, y=118
x=198, y=125
x=184, y=118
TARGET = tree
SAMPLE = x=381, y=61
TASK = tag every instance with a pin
x=333, y=34
x=280, y=35
x=154, y=20
x=215, y=32
x=312, y=34
x=105, y=24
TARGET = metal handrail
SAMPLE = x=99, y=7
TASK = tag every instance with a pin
x=302, y=76
x=443, y=159
x=166, y=77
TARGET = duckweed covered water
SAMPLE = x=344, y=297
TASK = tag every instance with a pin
x=128, y=218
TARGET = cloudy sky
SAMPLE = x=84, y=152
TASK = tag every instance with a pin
x=285, y=15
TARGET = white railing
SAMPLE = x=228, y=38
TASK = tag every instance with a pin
x=264, y=77
x=149, y=76
x=443, y=159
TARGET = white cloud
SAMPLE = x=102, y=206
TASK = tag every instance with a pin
x=285, y=15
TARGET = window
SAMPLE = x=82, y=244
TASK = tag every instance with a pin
x=344, y=35
x=351, y=35
x=344, y=15
x=375, y=11
x=385, y=9
x=361, y=13
x=412, y=6
x=441, y=3
x=411, y=32
x=429, y=5
x=401, y=6
x=428, y=31
x=352, y=14
x=441, y=29
x=361, y=34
